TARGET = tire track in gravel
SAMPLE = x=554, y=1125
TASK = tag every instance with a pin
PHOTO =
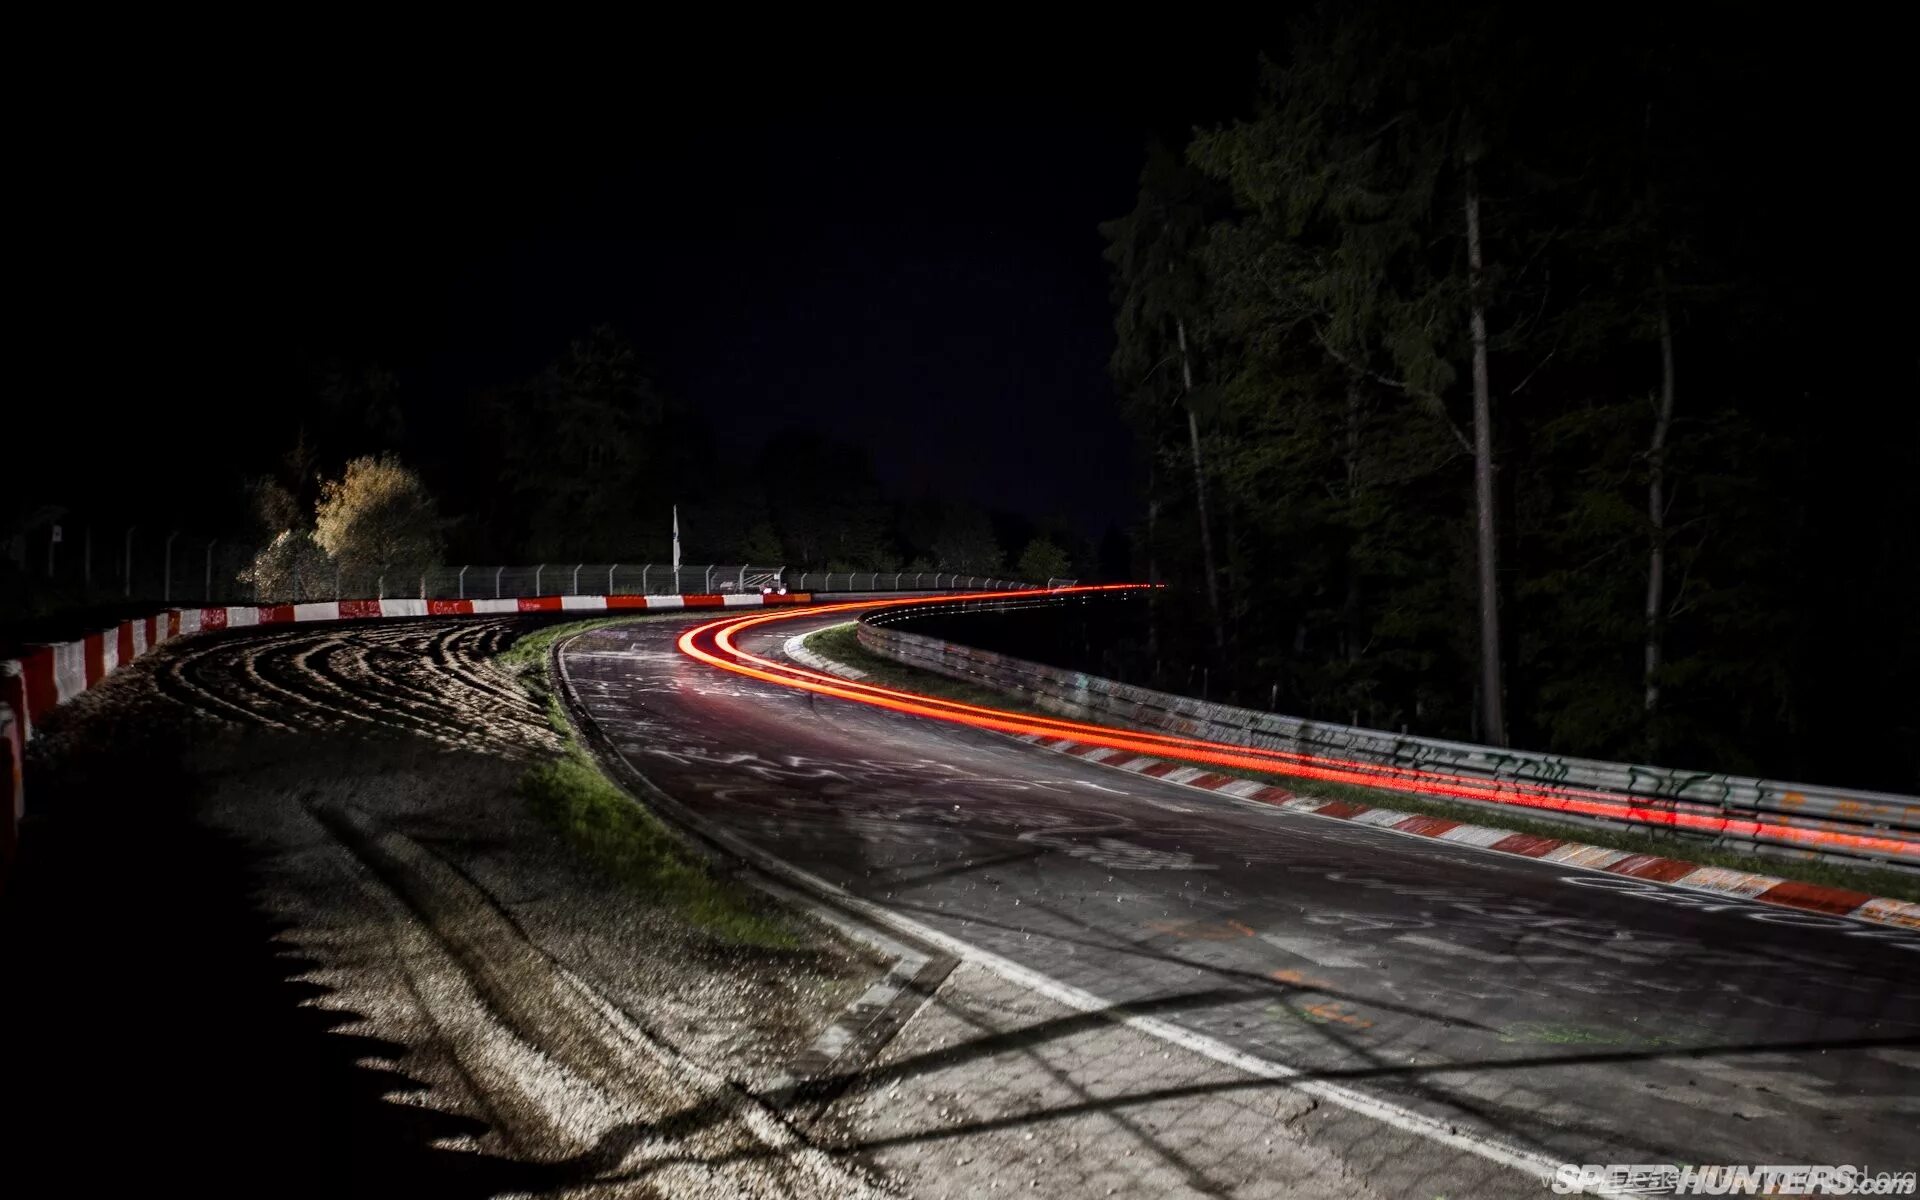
x=426, y=679
x=402, y=704
x=559, y=1034
x=200, y=677
x=311, y=670
x=450, y=647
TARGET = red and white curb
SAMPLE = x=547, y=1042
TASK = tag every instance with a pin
x=1763, y=889
x=1652, y=868
x=45, y=677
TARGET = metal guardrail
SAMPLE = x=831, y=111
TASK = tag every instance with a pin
x=1793, y=805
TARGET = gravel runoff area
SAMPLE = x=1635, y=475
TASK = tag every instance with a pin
x=286, y=925
x=289, y=925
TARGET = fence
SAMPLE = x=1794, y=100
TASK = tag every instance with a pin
x=90, y=567
x=1791, y=817
x=477, y=582
x=170, y=568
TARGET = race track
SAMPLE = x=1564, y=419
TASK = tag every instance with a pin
x=1535, y=1008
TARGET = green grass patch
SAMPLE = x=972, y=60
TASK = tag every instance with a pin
x=841, y=644
x=572, y=795
x=531, y=650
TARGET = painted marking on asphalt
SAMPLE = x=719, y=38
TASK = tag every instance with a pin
x=1318, y=951
x=1205, y=931
x=1455, y=950
x=1443, y=1132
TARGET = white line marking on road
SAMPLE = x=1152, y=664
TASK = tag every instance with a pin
x=1538, y=1166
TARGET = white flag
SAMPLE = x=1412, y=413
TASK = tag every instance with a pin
x=676, y=541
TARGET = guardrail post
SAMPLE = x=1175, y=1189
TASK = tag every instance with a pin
x=463, y=583
x=709, y=584
x=576, y=578
x=380, y=588
x=536, y=577
x=676, y=579
x=497, y=573
x=742, y=585
x=616, y=567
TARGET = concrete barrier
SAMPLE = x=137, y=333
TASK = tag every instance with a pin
x=1806, y=807
x=12, y=750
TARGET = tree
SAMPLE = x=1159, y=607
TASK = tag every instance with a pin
x=378, y=516
x=291, y=568
x=966, y=543
x=1155, y=255
x=593, y=454
x=1366, y=167
x=830, y=512
x=1042, y=561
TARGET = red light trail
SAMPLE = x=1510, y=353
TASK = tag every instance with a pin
x=714, y=644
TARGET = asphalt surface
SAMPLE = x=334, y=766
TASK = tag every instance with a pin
x=1579, y=1016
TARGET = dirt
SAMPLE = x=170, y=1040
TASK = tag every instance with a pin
x=282, y=926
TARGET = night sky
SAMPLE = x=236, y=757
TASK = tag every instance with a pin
x=905, y=256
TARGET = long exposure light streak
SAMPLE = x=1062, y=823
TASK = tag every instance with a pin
x=714, y=643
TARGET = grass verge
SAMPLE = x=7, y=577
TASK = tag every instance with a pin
x=841, y=644
x=572, y=795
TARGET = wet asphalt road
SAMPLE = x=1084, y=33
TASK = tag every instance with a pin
x=1584, y=1017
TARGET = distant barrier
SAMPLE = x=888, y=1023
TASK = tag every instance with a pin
x=1700, y=797
x=477, y=581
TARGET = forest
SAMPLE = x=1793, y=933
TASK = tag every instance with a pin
x=1490, y=372
x=1532, y=382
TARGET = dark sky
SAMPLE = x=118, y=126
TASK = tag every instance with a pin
x=904, y=255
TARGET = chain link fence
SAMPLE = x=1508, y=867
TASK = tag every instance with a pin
x=478, y=581
x=89, y=566
x=93, y=567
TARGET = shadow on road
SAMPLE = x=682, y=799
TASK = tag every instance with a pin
x=159, y=1037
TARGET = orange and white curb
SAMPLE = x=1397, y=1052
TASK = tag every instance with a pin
x=1763, y=889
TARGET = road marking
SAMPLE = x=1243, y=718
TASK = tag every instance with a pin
x=1318, y=951
x=1538, y=1166
x=1455, y=950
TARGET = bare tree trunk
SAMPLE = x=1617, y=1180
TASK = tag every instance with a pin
x=1494, y=725
x=1350, y=614
x=1200, y=492
x=1153, y=562
x=1657, y=516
